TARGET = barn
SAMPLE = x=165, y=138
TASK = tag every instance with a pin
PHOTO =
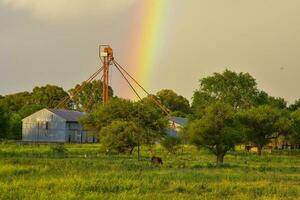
x=176, y=123
x=55, y=125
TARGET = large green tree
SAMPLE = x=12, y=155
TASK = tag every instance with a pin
x=49, y=96
x=15, y=127
x=176, y=103
x=89, y=95
x=16, y=101
x=295, y=106
x=264, y=123
x=151, y=119
x=4, y=120
x=218, y=130
x=295, y=137
x=144, y=115
x=101, y=116
x=236, y=89
x=27, y=110
x=120, y=136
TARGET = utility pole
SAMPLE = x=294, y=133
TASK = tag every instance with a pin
x=106, y=56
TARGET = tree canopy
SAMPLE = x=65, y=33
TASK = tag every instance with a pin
x=120, y=136
x=48, y=96
x=89, y=96
x=236, y=89
x=295, y=137
x=150, y=121
x=176, y=103
x=264, y=123
x=295, y=106
x=4, y=120
x=218, y=130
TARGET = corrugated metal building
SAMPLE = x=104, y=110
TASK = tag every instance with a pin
x=55, y=125
x=176, y=123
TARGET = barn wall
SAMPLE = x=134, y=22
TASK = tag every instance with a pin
x=76, y=133
x=44, y=126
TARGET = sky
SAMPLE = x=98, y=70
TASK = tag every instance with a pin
x=162, y=43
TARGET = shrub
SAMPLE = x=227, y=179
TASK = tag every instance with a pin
x=171, y=143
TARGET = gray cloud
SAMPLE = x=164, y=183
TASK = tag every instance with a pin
x=66, y=9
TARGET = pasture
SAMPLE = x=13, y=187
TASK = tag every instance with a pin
x=84, y=172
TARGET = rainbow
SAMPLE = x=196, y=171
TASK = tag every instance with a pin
x=148, y=39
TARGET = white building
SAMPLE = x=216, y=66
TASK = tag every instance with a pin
x=54, y=125
x=176, y=123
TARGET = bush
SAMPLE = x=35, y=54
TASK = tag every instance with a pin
x=171, y=143
x=120, y=137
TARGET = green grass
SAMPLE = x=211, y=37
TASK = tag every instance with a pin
x=37, y=172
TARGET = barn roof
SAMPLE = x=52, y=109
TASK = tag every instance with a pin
x=179, y=120
x=68, y=115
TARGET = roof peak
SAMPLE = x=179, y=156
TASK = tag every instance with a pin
x=68, y=115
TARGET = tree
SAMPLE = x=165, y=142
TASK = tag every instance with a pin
x=49, y=96
x=16, y=101
x=237, y=89
x=152, y=120
x=200, y=101
x=218, y=130
x=120, y=136
x=4, y=120
x=264, y=99
x=101, y=116
x=27, y=110
x=171, y=143
x=89, y=96
x=295, y=106
x=264, y=123
x=144, y=115
x=277, y=102
x=176, y=103
x=295, y=137
x=15, y=127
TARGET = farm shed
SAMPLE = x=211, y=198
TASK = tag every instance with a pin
x=54, y=125
x=176, y=123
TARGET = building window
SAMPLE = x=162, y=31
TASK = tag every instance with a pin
x=47, y=125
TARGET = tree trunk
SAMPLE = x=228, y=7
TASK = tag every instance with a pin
x=259, y=150
x=220, y=159
x=131, y=150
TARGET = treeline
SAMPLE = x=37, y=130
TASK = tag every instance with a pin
x=121, y=125
x=226, y=110
x=15, y=107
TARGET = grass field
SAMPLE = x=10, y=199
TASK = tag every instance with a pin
x=37, y=172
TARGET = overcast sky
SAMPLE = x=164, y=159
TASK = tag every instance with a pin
x=56, y=42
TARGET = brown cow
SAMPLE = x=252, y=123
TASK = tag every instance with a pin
x=248, y=148
x=156, y=160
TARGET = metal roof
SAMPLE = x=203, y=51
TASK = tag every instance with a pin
x=68, y=115
x=179, y=120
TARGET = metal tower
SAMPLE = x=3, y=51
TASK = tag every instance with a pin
x=106, y=57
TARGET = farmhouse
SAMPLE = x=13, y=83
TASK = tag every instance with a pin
x=54, y=125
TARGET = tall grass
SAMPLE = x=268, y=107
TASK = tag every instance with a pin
x=84, y=172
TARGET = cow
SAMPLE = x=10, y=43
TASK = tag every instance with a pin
x=248, y=148
x=156, y=160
